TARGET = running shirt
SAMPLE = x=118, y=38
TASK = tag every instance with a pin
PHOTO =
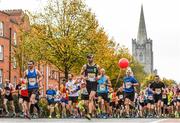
x=178, y=97
x=84, y=91
x=8, y=88
x=24, y=89
x=128, y=81
x=170, y=96
x=32, y=79
x=18, y=88
x=120, y=95
x=149, y=94
x=112, y=96
x=157, y=87
x=63, y=91
x=142, y=99
x=164, y=96
x=73, y=88
x=91, y=73
x=50, y=95
x=102, y=87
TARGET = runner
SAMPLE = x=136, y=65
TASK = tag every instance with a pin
x=83, y=98
x=120, y=101
x=142, y=104
x=157, y=86
x=50, y=93
x=90, y=72
x=25, y=98
x=8, y=92
x=72, y=87
x=34, y=78
x=150, y=102
x=102, y=91
x=129, y=83
x=20, y=100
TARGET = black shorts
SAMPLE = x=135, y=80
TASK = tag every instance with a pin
x=25, y=98
x=165, y=101
x=129, y=95
x=9, y=97
x=142, y=104
x=91, y=86
x=34, y=91
x=150, y=101
x=157, y=97
x=84, y=97
x=104, y=96
x=73, y=99
x=112, y=104
x=121, y=102
x=51, y=102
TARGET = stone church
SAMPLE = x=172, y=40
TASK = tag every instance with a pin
x=142, y=46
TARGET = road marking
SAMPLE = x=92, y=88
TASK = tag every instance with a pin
x=157, y=121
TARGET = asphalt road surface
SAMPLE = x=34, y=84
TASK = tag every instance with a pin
x=130, y=120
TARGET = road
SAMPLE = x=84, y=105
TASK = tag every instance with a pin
x=135, y=120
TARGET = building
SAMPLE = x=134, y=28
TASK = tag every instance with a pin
x=10, y=23
x=51, y=76
x=142, y=46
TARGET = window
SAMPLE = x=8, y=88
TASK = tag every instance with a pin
x=1, y=77
x=14, y=63
x=1, y=52
x=15, y=38
x=1, y=28
x=141, y=58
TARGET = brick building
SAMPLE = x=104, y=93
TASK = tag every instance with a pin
x=10, y=23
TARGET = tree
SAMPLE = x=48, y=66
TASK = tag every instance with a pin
x=150, y=78
x=65, y=32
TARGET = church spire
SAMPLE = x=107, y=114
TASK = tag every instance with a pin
x=142, y=35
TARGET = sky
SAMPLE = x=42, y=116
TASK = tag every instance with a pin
x=120, y=19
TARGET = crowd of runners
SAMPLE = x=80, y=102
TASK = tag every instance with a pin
x=91, y=95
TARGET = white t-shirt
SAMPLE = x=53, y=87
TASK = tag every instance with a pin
x=71, y=86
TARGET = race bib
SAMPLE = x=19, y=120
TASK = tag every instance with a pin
x=158, y=90
x=141, y=100
x=178, y=97
x=92, y=77
x=150, y=97
x=23, y=87
x=120, y=96
x=8, y=92
x=32, y=81
x=102, y=87
x=84, y=91
x=49, y=97
x=164, y=96
x=128, y=84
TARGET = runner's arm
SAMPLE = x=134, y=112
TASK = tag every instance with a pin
x=82, y=72
x=40, y=79
x=109, y=82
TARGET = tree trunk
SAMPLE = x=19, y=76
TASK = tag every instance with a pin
x=66, y=72
x=59, y=81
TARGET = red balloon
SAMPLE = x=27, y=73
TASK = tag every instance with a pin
x=123, y=63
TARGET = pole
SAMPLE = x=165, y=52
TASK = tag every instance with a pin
x=118, y=77
x=10, y=53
